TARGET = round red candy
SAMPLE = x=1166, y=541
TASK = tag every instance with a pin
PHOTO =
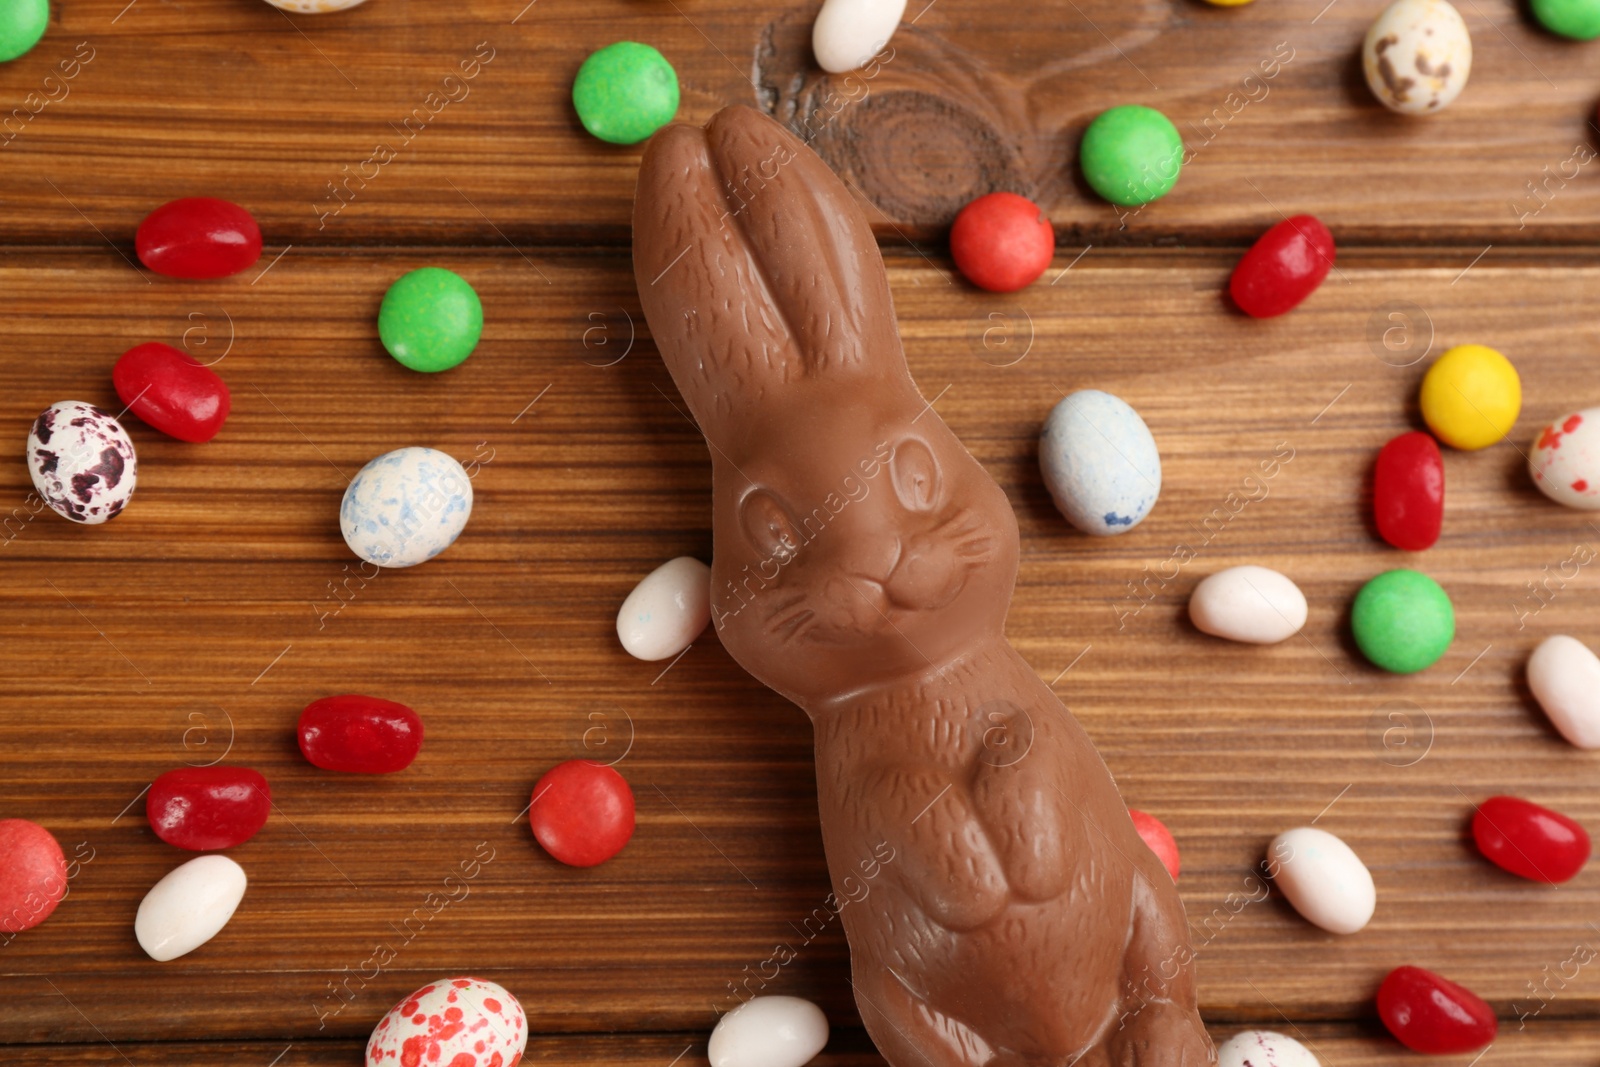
x=1283, y=267
x=198, y=237
x=1427, y=1013
x=1160, y=840
x=360, y=735
x=33, y=875
x=1002, y=242
x=204, y=808
x=582, y=812
x=1529, y=841
x=1408, y=492
x=172, y=391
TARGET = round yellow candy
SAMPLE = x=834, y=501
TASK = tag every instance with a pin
x=1471, y=397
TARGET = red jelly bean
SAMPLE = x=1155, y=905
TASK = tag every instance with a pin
x=1427, y=1013
x=1160, y=840
x=203, y=808
x=360, y=735
x=1408, y=492
x=1282, y=268
x=172, y=391
x=1529, y=841
x=198, y=237
x=1002, y=242
x=582, y=812
x=33, y=875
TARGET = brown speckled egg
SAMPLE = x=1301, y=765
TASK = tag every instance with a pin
x=1417, y=56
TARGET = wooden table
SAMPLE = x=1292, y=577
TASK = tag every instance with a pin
x=198, y=624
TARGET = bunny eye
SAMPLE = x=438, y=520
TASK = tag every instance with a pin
x=916, y=475
x=767, y=524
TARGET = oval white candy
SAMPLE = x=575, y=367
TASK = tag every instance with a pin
x=1099, y=462
x=1264, y=1048
x=189, y=906
x=82, y=462
x=1565, y=460
x=405, y=507
x=493, y=1028
x=848, y=33
x=1417, y=56
x=1565, y=678
x=1253, y=604
x=1323, y=878
x=667, y=610
x=768, y=1032
x=315, y=7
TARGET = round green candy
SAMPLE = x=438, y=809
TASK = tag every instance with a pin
x=625, y=92
x=1131, y=155
x=1403, y=621
x=1579, y=19
x=22, y=23
x=430, y=319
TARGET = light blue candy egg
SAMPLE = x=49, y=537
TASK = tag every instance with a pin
x=1100, y=463
x=405, y=507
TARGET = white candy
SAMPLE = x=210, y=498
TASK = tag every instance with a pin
x=666, y=611
x=422, y=1028
x=848, y=33
x=82, y=462
x=1264, y=1048
x=405, y=507
x=1325, y=881
x=768, y=1032
x=314, y=7
x=1565, y=460
x=1099, y=462
x=1251, y=604
x=1565, y=678
x=189, y=906
x=1417, y=56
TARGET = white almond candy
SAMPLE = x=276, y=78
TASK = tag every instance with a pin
x=189, y=906
x=1565, y=678
x=769, y=1032
x=848, y=33
x=1264, y=1048
x=667, y=611
x=1325, y=881
x=1253, y=604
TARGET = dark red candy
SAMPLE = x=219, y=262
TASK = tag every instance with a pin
x=1408, y=492
x=582, y=812
x=1282, y=268
x=172, y=391
x=198, y=237
x=1002, y=242
x=360, y=735
x=1529, y=841
x=1427, y=1013
x=1159, y=839
x=202, y=808
x=33, y=875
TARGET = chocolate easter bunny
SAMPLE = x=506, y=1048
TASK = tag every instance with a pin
x=863, y=563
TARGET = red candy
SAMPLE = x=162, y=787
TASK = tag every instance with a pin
x=360, y=735
x=172, y=391
x=33, y=875
x=1529, y=841
x=1160, y=840
x=1408, y=492
x=204, y=808
x=1282, y=268
x=198, y=237
x=1002, y=242
x=582, y=812
x=1427, y=1013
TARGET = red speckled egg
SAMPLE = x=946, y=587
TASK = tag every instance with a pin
x=454, y=1022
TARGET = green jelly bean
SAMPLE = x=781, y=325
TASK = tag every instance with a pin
x=625, y=92
x=22, y=23
x=1403, y=621
x=1131, y=155
x=1579, y=19
x=430, y=319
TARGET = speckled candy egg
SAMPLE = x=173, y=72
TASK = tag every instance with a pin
x=405, y=507
x=1417, y=56
x=454, y=1022
x=1100, y=463
x=1565, y=461
x=82, y=462
x=315, y=7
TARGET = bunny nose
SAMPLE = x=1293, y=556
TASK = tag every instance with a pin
x=927, y=576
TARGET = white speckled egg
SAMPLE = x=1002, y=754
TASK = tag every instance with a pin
x=315, y=7
x=454, y=1022
x=405, y=507
x=82, y=462
x=1417, y=56
x=1100, y=463
x=1264, y=1048
x=1565, y=460
x=189, y=906
x=768, y=1032
x=667, y=610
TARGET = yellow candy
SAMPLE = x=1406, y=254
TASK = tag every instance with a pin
x=1471, y=397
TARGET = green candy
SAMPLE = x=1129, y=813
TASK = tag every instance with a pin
x=430, y=319
x=1131, y=155
x=22, y=23
x=1579, y=19
x=625, y=92
x=1403, y=621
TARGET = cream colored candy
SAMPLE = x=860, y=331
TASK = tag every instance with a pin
x=666, y=611
x=189, y=906
x=848, y=33
x=1417, y=56
x=768, y=1032
x=1565, y=678
x=1253, y=604
x=1565, y=460
x=1264, y=1048
x=314, y=7
x=1323, y=878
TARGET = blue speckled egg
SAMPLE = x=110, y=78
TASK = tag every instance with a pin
x=1100, y=463
x=405, y=507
